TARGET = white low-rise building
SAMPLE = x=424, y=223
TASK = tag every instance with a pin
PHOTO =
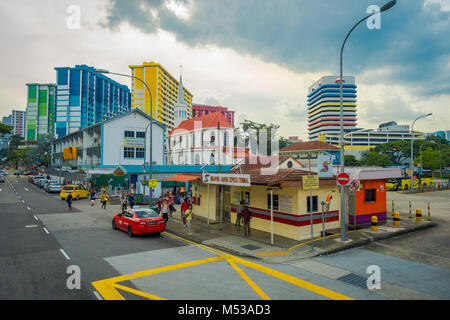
x=119, y=141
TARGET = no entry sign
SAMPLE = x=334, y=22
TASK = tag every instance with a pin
x=343, y=179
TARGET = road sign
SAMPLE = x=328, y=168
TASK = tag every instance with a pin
x=310, y=182
x=354, y=185
x=152, y=183
x=343, y=179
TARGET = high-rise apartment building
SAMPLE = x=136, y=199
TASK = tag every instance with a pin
x=18, y=122
x=164, y=93
x=40, y=114
x=7, y=120
x=199, y=110
x=324, y=106
x=85, y=97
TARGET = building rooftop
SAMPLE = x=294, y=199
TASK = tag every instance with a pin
x=208, y=121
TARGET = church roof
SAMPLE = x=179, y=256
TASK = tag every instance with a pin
x=208, y=121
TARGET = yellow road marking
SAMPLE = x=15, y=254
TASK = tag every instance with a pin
x=108, y=287
x=139, y=293
x=248, y=280
x=333, y=235
x=296, y=281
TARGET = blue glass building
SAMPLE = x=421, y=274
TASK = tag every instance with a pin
x=85, y=97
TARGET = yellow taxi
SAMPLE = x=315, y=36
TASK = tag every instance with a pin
x=77, y=192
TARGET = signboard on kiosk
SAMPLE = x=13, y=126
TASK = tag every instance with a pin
x=226, y=179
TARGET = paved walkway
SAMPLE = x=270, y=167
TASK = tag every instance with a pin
x=231, y=238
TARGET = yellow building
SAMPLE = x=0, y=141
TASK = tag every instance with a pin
x=164, y=89
x=291, y=217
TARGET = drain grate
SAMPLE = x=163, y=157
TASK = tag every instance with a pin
x=355, y=280
x=250, y=247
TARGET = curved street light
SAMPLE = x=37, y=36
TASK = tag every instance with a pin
x=387, y=6
x=411, y=163
x=151, y=126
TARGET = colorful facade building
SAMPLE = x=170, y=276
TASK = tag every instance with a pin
x=18, y=122
x=40, y=113
x=199, y=110
x=307, y=152
x=324, y=106
x=164, y=93
x=85, y=97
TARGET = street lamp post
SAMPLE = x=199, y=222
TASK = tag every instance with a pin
x=387, y=6
x=411, y=163
x=151, y=123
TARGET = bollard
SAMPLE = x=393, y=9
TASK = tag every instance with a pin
x=374, y=223
x=393, y=208
x=396, y=219
x=418, y=214
x=429, y=212
x=410, y=216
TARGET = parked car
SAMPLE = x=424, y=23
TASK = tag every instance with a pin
x=2, y=179
x=77, y=191
x=31, y=173
x=48, y=182
x=54, y=187
x=41, y=183
x=36, y=180
x=3, y=173
x=139, y=221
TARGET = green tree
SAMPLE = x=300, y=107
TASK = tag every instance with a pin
x=350, y=161
x=40, y=153
x=398, y=151
x=373, y=158
x=259, y=128
x=5, y=128
x=13, y=154
x=430, y=159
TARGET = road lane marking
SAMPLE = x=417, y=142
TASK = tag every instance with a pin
x=23, y=201
x=46, y=231
x=36, y=218
x=64, y=254
x=99, y=297
x=28, y=208
x=0, y=190
x=31, y=226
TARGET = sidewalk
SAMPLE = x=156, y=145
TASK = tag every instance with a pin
x=231, y=239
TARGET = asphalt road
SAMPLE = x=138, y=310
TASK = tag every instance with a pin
x=114, y=266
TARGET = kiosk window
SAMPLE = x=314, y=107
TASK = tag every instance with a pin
x=314, y=203
x=275, y=201
x=370, y=195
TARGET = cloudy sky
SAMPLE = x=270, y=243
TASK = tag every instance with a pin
x=258, y=57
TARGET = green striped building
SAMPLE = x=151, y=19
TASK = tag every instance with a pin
x=40, y=110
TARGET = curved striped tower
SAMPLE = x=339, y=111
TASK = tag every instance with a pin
x=324, y=106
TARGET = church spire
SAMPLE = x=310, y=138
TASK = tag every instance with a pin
x=180, y=88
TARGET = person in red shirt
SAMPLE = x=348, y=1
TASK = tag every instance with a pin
x=246, y=216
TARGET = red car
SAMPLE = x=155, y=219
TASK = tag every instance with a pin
x=139, y=221
x=31, y=173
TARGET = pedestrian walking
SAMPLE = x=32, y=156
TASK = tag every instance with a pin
x=184, y=206
x=239, y=214
x=246, y=216
x=69, y=200
x=104, y=199
x=131, y=200
x=188, y=216
x=165, y=211
x=124, y=202
x=171, y=207
x=92, y=197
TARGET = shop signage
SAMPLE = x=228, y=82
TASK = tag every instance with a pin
x=310, y=182
x=227, y=179
x=119, y=172
x=70, y=153
x=133, y=143
x=152, y=183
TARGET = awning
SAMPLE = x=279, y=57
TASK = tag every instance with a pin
x=182, y=178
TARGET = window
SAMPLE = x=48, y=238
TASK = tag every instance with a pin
x=314, y=203
x=213, y=139
x=275, y=201
x=129, y=134
x=140, y=134
x=225, y=139
x=128, y=153
x=370, y=195
x=140, y=153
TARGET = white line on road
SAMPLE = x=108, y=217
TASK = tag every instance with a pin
x=99, y=297
x=26, y=189
x=31, y=226
x=64, y=254
x=23, y=201
x=28, y=208
x=36, y=218
x=46, y=231
x=0, y=190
